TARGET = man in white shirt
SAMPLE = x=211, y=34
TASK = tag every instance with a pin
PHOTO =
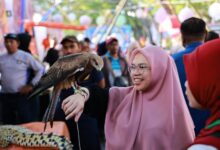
x=14, y=66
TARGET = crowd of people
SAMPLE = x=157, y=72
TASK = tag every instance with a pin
x=145, y=99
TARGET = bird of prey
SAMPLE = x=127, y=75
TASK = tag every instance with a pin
x=66, y=72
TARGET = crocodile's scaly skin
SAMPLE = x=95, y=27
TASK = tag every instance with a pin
x=13, y=134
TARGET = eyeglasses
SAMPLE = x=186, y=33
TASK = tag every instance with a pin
x=141, y=68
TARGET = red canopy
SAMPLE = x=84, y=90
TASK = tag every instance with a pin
x=29, y=24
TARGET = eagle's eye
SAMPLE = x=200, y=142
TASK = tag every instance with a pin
x=96, y=63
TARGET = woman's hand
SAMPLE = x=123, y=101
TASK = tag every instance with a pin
x=73, y=105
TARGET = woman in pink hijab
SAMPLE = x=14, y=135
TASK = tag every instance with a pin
x=150, y=115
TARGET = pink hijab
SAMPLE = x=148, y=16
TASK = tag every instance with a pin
x=157, y=119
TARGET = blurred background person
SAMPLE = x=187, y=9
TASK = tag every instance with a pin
x=46, y=42
x=102, y=48
x=14, y=66
x=211, y=35
x=24, y=43
x=52, y=54
x=115, y=65
x=25, y=40
x=193, y=31
x=86, y=44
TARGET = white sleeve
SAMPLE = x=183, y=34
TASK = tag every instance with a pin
x=201, y=147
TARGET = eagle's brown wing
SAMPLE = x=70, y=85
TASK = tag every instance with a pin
x=62, y=69
x=63, y=74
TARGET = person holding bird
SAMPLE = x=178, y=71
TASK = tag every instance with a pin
x=149, y=115
x=67, y=75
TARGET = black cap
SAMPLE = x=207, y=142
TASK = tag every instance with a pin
x=69, y=38
x=11, y=36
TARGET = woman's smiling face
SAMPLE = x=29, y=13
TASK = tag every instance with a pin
x=140, y=71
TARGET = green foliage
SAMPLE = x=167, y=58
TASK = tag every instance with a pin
x=95, y=8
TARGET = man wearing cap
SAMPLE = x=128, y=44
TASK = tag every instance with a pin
x=14, y=66
x=115, y=65
x=88, y=127
x=70, y=45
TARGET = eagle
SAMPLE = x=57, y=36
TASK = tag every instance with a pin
x=68, y=71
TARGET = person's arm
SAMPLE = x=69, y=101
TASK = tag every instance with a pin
x=96, y=106
x=96, y=100
x=99, y=78
x=101, y=83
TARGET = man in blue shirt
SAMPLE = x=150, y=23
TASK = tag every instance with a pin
x=193, y=31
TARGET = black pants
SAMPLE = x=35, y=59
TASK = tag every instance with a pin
x=16, y=109
x=88, y=128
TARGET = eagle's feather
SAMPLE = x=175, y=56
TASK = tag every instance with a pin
x=65, y=73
